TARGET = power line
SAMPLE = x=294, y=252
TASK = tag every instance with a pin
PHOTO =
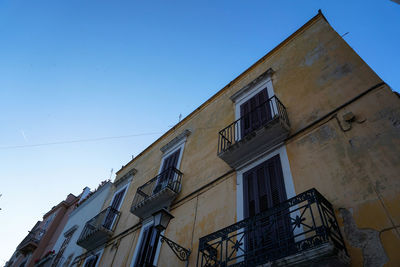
x=79, y=140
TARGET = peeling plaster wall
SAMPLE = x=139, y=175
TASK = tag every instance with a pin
x=357, y=168
x=367, y=240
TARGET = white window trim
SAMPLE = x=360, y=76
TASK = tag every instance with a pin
x=287, y=178
x=99, y=252
x=261, y=85
x=147, y=223
x=123, y=197
x=180, y=145
x=122, y=200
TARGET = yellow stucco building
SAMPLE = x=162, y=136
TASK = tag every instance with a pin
x=294, y=162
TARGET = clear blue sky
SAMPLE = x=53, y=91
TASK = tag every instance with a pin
x=73, y=70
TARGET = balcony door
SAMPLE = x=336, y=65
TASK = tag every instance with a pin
x=114, y=208
x=167, y=172
x=263, y=189
x=255, y=112
x=147, y=247
x=93, y=260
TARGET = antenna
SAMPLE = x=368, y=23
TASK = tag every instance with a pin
x=179, y=120
x=112, y=170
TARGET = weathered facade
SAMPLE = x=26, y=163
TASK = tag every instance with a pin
x=37, y=247
x=309, y=114
x=66, y=248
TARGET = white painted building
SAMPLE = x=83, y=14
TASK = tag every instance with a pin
x=66, y=248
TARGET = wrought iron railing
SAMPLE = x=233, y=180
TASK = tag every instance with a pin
x=104, y=221
x=252, y=121
x=34, y=236
x=301, y=223
x=171, y=178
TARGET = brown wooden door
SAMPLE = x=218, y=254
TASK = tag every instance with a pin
x=254, y=113
x=264, y=188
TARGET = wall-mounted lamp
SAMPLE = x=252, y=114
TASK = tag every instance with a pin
x=161, y=220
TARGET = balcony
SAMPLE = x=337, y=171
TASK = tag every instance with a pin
x=99, y=229
x=300, y=231
x=254, y=133
x=31, y=241
x=157, y=193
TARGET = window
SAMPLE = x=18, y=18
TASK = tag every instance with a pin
x=170, y=161
x=167, y=171
x=261, y=184
x=93, y=260
x=68, y=235
x=255, y=112
x=147, y=247
x=115, y=206
x=251, y=104
x=264, y=188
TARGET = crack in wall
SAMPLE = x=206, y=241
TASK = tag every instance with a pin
x=368, y=240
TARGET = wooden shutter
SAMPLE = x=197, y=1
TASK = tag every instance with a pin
x=167, y=174
x=249, y=194
x=264, y=188
x=111, y=215
x=117, y=199
x=148, y=247
x=276, y=182
x=171, y=160
x=253, y=115
x=140, y=259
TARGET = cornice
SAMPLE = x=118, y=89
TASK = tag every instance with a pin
x=176, y=140
x=264, y=76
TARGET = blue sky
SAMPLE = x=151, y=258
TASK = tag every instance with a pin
x=74, y=70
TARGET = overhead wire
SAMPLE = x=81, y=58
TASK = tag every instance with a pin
x=79, y=140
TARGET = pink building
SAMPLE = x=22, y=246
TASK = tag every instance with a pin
x=36, y=248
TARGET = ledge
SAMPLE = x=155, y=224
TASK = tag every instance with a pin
x=267, y=74
x=176, y=140
x=326, y=255
x=125, y=177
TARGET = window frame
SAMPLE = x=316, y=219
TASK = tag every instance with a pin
x=246, y=93
x=99, y=253
x=179, y=145
x=126, y=186
x=287, y=179
x=148, y=223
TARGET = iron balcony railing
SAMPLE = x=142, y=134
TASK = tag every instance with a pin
x=33, y=238
x=170, y=178
x=105, y=221
x=301, y=223
x=258, y=117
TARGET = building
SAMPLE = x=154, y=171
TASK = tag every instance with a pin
x=66, y=247
x=37, y=247
x=294, y=162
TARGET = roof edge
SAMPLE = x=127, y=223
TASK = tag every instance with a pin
x=221, y=91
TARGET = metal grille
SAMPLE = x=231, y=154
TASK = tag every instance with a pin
x=234, y=132
x=104, y=221
x=170, y=178
x=261, y=238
